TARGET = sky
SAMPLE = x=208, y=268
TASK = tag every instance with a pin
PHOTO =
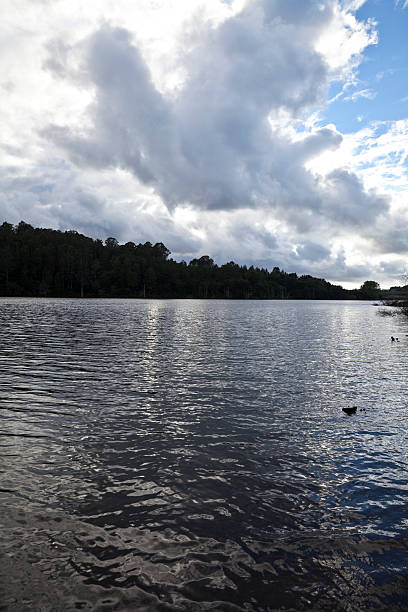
x=265, y=132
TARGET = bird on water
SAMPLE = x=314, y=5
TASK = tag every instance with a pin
x=350, y=409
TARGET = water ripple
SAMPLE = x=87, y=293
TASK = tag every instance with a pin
x=193, y=455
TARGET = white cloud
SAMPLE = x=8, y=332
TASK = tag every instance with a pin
x=368, y=94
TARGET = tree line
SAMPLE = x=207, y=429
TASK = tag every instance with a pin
x=51, y=263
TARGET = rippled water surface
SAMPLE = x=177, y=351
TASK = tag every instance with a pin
x=193, y=455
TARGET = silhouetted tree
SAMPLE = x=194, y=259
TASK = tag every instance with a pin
x=46, y=262
x=370, y=290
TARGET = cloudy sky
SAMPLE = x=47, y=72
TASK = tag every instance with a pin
x=268, y=132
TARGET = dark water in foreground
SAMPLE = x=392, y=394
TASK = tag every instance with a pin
x=193, y=455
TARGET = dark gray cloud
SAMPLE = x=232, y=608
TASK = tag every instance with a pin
x=349, y=204
x=391, y=237
x=397, y=269
x=211, y=145
x=313, y=252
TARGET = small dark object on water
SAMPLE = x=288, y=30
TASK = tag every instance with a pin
x=350, y=410
x=394, y=339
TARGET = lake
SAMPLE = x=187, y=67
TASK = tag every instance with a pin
x=193, y=455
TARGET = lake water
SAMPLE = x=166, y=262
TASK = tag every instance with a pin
x=193, y=455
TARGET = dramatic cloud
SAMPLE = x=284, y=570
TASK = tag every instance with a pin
x=197, y=124
x=211, y=144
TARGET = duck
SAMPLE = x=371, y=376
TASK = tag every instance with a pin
x=350, y=410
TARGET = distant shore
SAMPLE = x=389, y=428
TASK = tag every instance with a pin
x=38, y=262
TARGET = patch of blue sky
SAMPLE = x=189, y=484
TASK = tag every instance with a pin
x=381, y=127
x=380, y=92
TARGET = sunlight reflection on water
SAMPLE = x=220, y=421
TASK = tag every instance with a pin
x=193, y=455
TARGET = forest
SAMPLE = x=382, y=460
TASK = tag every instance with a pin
x=37, y=262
